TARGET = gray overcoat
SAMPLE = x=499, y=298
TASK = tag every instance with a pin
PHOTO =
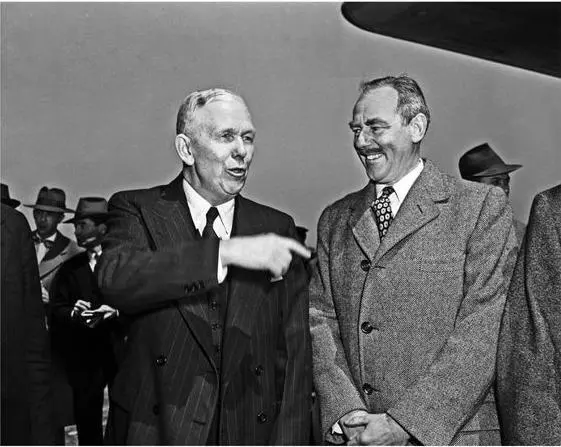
x=409, y=326
x=529, y=356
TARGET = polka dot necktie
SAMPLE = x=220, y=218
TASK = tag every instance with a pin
x=383, y=211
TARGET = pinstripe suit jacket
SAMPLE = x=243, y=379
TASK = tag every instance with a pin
x=156, y=267
x=529, y=356
x=433, y=292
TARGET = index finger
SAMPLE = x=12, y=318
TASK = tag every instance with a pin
x=296, y=247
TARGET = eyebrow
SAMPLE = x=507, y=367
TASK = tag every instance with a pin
x=370, y=122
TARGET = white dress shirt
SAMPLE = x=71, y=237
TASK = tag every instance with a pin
x=198, y=207
x=401, y=187
x=41, y=250
x=93, y=256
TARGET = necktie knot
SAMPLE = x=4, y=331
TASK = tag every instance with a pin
x=387, y=191
x=208, y=231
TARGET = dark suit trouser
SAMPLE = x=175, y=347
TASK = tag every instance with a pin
x=117, y=426
x=88, y=407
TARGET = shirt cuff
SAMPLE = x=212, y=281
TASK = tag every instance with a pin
x=222, y=271
x=336, y=429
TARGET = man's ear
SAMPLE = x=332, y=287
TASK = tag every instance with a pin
x=183, y=145
x=418, y=127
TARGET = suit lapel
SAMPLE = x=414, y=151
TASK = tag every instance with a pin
x=417, y=209
x=363, y=223
x=246, y=292
x=169, y=220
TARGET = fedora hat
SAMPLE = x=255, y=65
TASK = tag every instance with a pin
x=53, y=200
x=483, y=161
x=90, y=207
x=6, y=199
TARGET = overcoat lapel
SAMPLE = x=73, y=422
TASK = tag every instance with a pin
x=55, y=256
x=417, y=209
x=247, y=289
x=363, y=223
x=169, y=220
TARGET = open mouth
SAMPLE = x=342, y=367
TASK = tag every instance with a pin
x=237, y=172
x=372, y=156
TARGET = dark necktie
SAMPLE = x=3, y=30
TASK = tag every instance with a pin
x=39, y=240
x=383, y=211
x=208, y=231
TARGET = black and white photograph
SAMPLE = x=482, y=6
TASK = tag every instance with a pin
x=280, y=223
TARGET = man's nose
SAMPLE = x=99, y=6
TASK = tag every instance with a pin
x=240, y=150
x=360, y=139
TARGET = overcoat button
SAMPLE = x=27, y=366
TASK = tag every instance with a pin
x=259, y=370
x=262, y=418
x=156, y=409
x=367, y=388
x=365, y=265
x=161, y=360
x=366, y=327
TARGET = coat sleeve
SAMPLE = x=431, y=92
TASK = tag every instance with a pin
x=134, y=275
x=337, y=393
x=294, y=359
x=37, y=350
x=529, y=358
x=435, y=408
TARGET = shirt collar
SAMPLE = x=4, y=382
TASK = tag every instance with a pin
x=199, y=206
x=51, y=238
x=404, y=184
x=96, y=250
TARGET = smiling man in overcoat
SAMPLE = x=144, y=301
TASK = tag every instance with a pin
x=409, y=288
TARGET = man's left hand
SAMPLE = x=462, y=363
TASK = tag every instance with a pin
x=380, y=429
x=105, y=310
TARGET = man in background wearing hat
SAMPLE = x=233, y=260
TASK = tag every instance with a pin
x=52, y=249
x=483, y=165
x=82, y=325
x=51, y=246
x=5, y=197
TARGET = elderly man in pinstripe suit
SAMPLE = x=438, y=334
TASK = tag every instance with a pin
x=219, y=347
x=409, y=290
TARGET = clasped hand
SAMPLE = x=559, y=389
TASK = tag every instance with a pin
x=362, y=428
x=82, y=310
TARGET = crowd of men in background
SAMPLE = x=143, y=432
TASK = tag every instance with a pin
x=204, y=312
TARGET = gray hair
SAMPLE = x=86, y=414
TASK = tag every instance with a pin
x=410, y=98
x=193, y=102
